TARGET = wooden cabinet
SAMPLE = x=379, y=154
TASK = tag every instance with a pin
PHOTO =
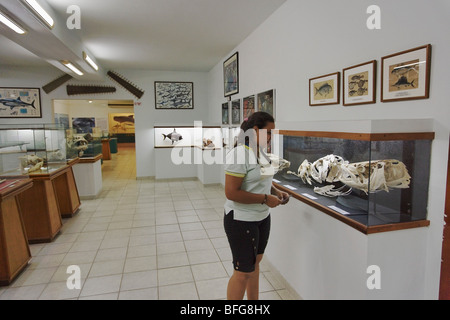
x=40, y=207
x=106, y=149
x=67, y=191
x=14, y=250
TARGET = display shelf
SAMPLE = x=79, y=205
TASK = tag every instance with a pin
x=188, y=137
x=374, y=182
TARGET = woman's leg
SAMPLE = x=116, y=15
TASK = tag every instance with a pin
x=253, y=281
x=237, y=285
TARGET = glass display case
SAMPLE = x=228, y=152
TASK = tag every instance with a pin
x=84, y=145
x=230, y=136
x=31, y=149
x=367, y=179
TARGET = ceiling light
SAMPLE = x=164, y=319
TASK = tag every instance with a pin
x=90, y=61
x=72, y=67
x=11, y=24
x=42, y=14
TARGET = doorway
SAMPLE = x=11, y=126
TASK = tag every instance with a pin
x=111, y=120
x=444, y=292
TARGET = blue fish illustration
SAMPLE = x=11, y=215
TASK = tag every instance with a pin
x=14, y=103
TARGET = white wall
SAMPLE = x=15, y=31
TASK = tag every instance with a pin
x=305, y=39
x=146, y=115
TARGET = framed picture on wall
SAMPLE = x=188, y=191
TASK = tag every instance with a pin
x=20, y=103
x=359, y=84
x=248, y=106
x=325, y=90
x=83, y=125
x=266, y=102
x=171, y=95
x=122, y=123
x=236, y=112
x=226, y=113
x=231, y=75
x=406, y=75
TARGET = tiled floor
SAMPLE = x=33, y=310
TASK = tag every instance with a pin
x=141, y=239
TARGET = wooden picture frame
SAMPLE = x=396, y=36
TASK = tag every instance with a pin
x=231, y=75
x=325, y=90
x=172, y=95
x=248, y=106
x=359, y=84
x=236, y=112
x=266, y=102
x=226, y=113
x=406, y=75
x=22, y=103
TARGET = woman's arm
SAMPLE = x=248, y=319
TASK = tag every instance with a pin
x=234, y=193
x=283, y=196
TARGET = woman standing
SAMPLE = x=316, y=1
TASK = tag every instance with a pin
x=250, y=194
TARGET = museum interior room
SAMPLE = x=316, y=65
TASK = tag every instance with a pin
x=115, y=124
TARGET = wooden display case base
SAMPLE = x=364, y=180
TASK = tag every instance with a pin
x=67, y=191
x=14, y=250
x=40, y=207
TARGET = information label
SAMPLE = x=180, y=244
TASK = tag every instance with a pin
x=339, y=210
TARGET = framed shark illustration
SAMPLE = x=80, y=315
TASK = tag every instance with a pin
x=20, y=103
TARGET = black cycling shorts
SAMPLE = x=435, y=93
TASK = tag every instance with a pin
x=247, y=240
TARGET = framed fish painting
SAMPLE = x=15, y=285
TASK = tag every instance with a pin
x=406, y=75
x=20, y=103
x=171, y=95
x=359, y=84
x=325, y=90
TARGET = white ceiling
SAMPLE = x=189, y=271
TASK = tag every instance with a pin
x=170, y=35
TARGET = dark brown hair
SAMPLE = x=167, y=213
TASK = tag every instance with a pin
x=259, y=120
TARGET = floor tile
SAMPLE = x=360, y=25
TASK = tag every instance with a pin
x=214, y=289
x=141, y=294
x=139, y=280
x=208, y=271
x=23, y=293
x=101, y=285
x=184, y=291
x=175, y=276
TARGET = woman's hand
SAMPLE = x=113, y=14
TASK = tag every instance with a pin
x=283, y=196
x=273, y=201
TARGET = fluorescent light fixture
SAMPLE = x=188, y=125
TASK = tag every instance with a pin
x=42, y=14
x=70, y=66
x=11, y=24
x=90, y=61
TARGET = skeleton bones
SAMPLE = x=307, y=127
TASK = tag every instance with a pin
x=31, y=163
x=373, y=176
x=273, y=164
x=81, y=145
